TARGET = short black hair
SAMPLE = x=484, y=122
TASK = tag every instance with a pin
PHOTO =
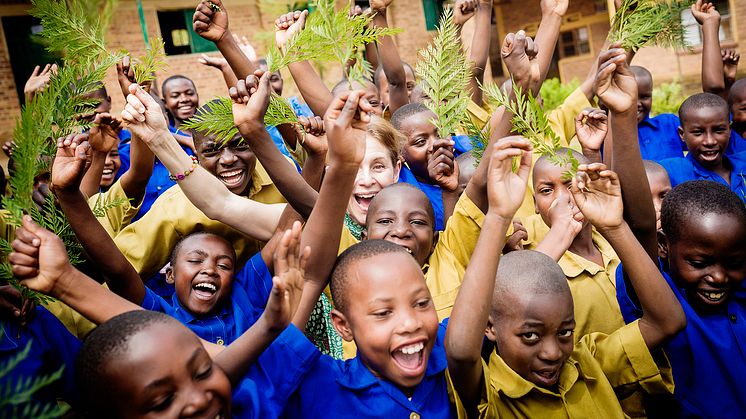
x=702, y=100
x=738, y=88
x=379, y=71
x=640, y=71
x=402, y=185
x=344, y=85
x=366, y=249
x=177, y=247
x=562, y=151
x=105, y=343
x=175, y=77
x=689, y=200
x=405, y=112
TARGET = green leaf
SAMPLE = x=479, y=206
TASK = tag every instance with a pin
x=154, y=60
x=638, y=23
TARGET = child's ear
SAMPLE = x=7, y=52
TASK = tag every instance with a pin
x=662, y=245
x=489, y=331
x=536, y=207
x=680, y=129
x=436, y=237
x=170, y=275
x=397, y=169
x=341, y=325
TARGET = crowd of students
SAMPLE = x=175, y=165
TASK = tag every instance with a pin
x=364, y=264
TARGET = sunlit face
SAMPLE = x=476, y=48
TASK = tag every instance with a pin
x=202, y=273
x=111, y=167
x=421, y=133
x=166, y=373
x=233, y=163
x=550, y=184
x=375, y=173
x=706, y=132
x=708, y=259
x=644, y=96
x=660, y=185
x=181, y=99
x=401, y=215
x=534, y=335
x=393, y=320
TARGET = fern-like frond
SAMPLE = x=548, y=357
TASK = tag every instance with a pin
x=638, y=23
x=103, y=205
x=279, y=112
x=153, y=60
x=214, y=119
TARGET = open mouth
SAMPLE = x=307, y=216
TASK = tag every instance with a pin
x=363, y=200
x=232, y=178
x=107, y=173
x=204, y=290
x=709, y=155
x=410, y=358
x=547, y=378
x=713, y=297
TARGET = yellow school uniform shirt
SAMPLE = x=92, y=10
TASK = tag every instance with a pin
x=600, y=368
x=593, y=287
x=115, y=218
x=147, y=243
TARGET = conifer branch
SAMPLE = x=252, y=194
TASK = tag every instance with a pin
x=153, y=60
x=67, y=30
x=638, y=23
x=103, y=205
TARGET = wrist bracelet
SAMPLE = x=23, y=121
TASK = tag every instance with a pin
x=186, y=173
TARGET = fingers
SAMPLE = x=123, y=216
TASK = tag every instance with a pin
x=313, y=125
x=344, y=107
x=35, y=230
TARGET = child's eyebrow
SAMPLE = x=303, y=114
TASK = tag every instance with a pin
x=199, y=252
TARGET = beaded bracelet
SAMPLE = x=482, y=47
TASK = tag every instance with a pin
x=186, y=173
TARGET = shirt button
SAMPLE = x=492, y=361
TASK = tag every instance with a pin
x=158, y=188
x=220, y=342
x=732, y=318
x=414, y=415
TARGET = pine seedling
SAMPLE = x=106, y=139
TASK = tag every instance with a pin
x=153, y=60
x=638, y=23
x=530, y=121
x=444, y=72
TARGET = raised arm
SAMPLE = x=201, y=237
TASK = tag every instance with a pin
x=591, y=127
x=598, y=195
x=67, y=171
x=480, y=49
x=713, y=80
x=617, y=88
x=552, y=12
x=103, y=138
x=206, y=192
x=471, y=310
x=221, y=64
x=390, y=59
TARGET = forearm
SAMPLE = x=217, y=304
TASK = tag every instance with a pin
x=135, y=180
x=238, y=357
x=311, y=87
x=594, y=156
x=238, y=61
x=480, y=50
x=450, y=198
x=627, y=163
x=546, y=40
x=392, y=65
x=371, y=54
x=713, y=80
x=120, y=275
x=313, y=170
x=476, y=189
x=662, y=313
x=91, y=182
x=556, y=242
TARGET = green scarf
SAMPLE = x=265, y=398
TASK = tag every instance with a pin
x=355, y=228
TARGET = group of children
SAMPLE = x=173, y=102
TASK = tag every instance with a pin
x=364, y=264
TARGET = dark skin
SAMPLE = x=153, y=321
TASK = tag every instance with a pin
x=232, y=163
x=738, y=109
x=644, y=93
x=706, y=132
x=388, y=54
x=181, y=99
x=712, y=63
x=422, y=136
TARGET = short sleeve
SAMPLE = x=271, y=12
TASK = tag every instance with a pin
x=113, y=208
x=562, y=119
x=154, y=302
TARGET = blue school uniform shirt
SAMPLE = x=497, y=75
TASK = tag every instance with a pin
x=52, y=348
x=736, y=144
x=659, y=137
x=349, y=389
x=240, y=310
x=681, y=170
x=708, y=357
x=433, y=193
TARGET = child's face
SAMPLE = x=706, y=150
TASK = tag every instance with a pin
x=738, y=110
x=111, y=167
x=166, y=373
x=534, y=335
x=644, y=96
x=383, y=92
x=400, y=216
x=660, y=184
x=181, y=98
x=421, y=134
x=203, y=273
x=706, y=132
x=391, y=311
x=232, y=163
x=376, y=172
x=709, y=258
x=549, y=186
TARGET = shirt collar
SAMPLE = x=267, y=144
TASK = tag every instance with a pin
x=703, y=172
x=573, y=265
x=183, y=315
x=259, y=179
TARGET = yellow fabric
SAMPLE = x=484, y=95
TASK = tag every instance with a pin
x=116, y=218
x=600, y=368
x=478, y=115
x=298, y=153
x=593, y=287
x=73, y=321
x=147, y=243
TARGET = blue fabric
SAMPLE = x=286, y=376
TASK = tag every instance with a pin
x=462, y=144
x=736, y=144
x=243, y=307
x=681, y=170
x=349, y=389
x=659, y=137
x=708, y=357
x=300, y=108
x=269, y=382
x=433, y=193
x=52, y=347
x=124, y=144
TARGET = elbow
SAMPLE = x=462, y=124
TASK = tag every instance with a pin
x=458, y=353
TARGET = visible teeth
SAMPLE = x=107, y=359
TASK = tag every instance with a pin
x=408, y=250
x=366, y=196
x=107, y=171
x=207, y=286
x=715, y=296
x=412, y=349
x=231, y=173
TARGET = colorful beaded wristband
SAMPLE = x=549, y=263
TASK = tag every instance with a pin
x=186, y=173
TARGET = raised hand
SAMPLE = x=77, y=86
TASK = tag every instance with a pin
x=591, y=126
x=346, y=122
x=126, y=76
x=8, y=147
x=39, y=258
x=250, y=100
x=13, y=305
x=505, y=188
x=210, y=20
x=103, y=135
x=39, y=80
x=246, y=47
x=70, y=163
x=313, y=135
x=143, y=115
x=598, y=195
x=615, y=83
x=379, y=5
x=464, y=10
x=519, y=54
x=557, y=7
x=565, y=216
x=705, y=12
x=217, y=62
x=287, y=25
x=289, y=263
x=730, y=64
x=442, y=166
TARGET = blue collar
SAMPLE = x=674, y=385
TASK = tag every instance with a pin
x=703, y=172
x=183, y=315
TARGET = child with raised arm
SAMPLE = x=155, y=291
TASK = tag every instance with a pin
x=538, y=368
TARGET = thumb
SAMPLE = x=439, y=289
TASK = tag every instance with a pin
x=262, y=88
x=144, y=96
x=302, y=19
x=30, y=225
x=81, y=151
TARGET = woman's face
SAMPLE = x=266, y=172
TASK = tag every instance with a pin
x=375, y=173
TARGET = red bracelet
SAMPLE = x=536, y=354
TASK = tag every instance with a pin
x=186, y=173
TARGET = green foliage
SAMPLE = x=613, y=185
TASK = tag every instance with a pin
x=279, y=112
x=638, y=23
x=444, y=72
x=530, y=121
x=154, y=60
x=66, y=29
x=667, y=98
x=103, y=205
x=331, y=35
x=554, y=92
x=17, y=398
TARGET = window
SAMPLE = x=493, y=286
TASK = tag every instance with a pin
x=574, y=42
x=693, y=32
x=178, y=35
x=433, y=10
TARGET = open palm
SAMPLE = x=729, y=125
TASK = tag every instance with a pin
x=598, y=195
